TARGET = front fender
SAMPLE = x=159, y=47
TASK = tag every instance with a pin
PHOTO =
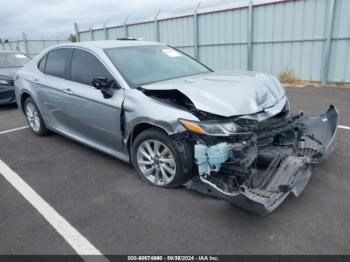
x=141, y=109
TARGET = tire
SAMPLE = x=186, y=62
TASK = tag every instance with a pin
x=34, y=118
x=167, y=180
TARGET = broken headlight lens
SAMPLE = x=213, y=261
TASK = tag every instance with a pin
x=210, y=128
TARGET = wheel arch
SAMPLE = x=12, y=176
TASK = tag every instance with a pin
x=138, y=129
x=185, y=148
x=24, y=97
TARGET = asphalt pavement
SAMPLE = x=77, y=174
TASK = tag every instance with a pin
x=106, y=202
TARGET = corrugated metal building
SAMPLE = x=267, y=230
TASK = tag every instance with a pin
x=309, y=37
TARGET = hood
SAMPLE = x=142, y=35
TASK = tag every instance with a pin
x=227, y=93
x=9, y=72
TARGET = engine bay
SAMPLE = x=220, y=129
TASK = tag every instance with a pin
x=259, y=166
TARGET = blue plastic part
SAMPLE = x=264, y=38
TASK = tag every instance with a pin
x=217, y=155
x=200, y=154
x=210, y=158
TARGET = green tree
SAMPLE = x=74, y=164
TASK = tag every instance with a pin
x=72, y=38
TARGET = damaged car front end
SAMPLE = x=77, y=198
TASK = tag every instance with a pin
x=256, y=157
x=256, y=165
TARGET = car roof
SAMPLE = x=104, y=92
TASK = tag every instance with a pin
x=106, y=44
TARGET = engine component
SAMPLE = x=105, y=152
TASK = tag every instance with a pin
x=259, y=172
x=210, y=158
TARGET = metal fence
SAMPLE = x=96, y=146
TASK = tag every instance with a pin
x=308, y=37
x=29, y=47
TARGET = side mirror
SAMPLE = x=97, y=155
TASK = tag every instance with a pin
x=104, y=85
x=100, y=83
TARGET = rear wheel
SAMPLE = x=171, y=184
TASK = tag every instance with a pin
x=34, y=118
x=157, y=160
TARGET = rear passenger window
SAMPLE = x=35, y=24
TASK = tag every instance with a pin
x=42, y=64
x=57, y=61
x=85, y=67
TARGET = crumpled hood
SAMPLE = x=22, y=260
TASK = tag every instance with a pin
x=227, y=93
x=9, y=71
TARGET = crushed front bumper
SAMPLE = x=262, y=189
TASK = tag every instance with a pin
x=263, y=193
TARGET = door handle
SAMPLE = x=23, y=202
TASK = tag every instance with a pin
x=68, y=91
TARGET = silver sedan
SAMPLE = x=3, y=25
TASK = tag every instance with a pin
x=227, y=134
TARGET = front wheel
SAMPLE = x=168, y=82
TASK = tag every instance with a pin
x=157, y=160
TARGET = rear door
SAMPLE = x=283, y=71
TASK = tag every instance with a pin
x=52, y=85
x=92, y=118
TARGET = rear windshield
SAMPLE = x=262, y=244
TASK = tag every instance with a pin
x=13, y=60
x=142, y=65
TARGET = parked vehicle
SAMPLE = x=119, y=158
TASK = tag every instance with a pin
x=227, y=134
x=10, y=63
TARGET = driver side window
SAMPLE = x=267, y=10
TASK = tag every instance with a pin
x=85, y=67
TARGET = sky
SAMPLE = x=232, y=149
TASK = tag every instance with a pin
x=52, y=19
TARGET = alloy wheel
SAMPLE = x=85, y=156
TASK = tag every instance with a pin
x=156, y=162
x=33, y=117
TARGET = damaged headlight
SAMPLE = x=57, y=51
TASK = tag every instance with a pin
x=211, y=128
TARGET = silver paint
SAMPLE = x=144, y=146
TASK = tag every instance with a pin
x=227, y=93
x=81, y=113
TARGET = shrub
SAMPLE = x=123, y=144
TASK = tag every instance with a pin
x=288, y=77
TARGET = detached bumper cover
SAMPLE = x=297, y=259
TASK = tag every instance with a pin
x=7, y=95
x=283, y=176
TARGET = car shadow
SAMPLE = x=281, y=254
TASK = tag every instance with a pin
x=8, y=107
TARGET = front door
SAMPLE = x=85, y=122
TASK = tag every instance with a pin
x=93, y=119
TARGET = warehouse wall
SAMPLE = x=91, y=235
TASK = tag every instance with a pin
x=309, y=37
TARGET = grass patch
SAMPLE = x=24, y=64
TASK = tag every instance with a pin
x=342, y=84
x=288, y=77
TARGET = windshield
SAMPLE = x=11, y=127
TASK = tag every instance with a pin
x=13, y=60
x=142, y=65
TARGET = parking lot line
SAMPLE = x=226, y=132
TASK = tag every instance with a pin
x=77, y=241
x=344, y=127
x=14, y=129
